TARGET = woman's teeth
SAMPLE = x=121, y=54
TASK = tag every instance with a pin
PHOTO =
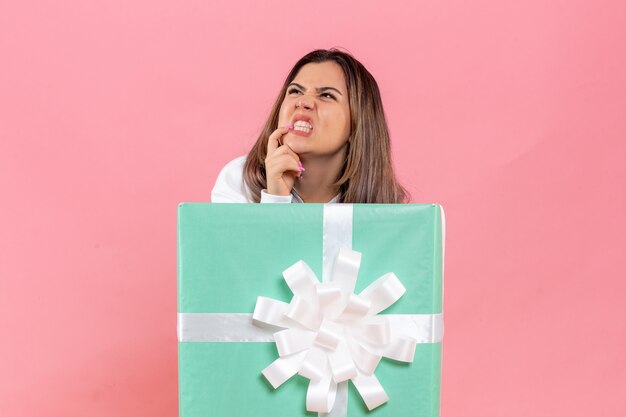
x=302, y=126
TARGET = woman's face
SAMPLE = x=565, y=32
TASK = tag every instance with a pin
x=317, y=105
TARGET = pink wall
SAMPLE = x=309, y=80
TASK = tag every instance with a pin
x=509, y=113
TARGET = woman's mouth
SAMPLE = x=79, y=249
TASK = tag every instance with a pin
x=302, y=128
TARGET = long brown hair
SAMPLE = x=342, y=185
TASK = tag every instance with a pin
x=367, y=175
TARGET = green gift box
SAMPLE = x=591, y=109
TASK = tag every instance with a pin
x=230, y=254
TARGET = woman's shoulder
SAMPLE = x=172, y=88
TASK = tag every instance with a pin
x=235, y=167
x=230, y=186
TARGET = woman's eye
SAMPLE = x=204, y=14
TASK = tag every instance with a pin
x=293, y=90
x=328, y=95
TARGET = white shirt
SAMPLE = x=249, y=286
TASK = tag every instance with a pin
x=231, y=188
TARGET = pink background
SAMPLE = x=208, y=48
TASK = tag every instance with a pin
x=509, y=113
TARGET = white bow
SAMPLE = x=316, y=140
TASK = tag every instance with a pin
x=333, y=335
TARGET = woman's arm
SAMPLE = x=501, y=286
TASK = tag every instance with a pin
x=229, y=186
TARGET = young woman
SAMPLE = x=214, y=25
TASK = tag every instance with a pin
x=325, y=141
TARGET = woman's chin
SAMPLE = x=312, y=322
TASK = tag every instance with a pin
x=298, y=144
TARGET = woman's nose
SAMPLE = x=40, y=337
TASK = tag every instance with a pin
x=304, y=104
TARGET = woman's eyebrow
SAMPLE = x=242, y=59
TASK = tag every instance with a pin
x=319, y=90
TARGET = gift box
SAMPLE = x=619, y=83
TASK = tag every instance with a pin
x=229, y=255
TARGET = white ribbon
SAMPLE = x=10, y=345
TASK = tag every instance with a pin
x=239, y=327
x=332, y=335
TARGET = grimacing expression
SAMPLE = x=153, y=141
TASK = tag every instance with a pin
x=317, y=104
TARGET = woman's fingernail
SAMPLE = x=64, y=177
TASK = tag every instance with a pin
x=301, y=167
x=289, y=126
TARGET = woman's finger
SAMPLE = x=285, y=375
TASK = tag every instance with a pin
x=273, y=142
x=286, y=150
x=279, y=164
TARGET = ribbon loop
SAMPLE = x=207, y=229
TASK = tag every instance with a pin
x=374, y=331
x=356, y=307
x=321, y=394
x=370, y=390
x=314, y=364
x=282, y=369
x=304, y=313
x=365, y=360
x=383, y=292
x=301, y=280
x=329, y=296
x=341, y=364
x=346, y=269
x=292, y=341
x=328, y=335
x=270, y=311
x=401, y=349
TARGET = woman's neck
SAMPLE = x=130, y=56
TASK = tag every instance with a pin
x=316, y=184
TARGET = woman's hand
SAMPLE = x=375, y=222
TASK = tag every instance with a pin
x=282, y=165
